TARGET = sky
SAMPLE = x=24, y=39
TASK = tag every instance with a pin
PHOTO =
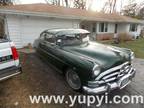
x=97, y=5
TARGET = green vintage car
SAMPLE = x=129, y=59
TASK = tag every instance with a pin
x=88, y=66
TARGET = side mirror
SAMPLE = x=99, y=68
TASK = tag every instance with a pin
x=59, y=42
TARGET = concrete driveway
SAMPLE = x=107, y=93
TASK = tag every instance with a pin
x=39, y=78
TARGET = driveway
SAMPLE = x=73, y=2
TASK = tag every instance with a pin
x=39, y=78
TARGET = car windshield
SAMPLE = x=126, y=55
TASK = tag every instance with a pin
x=75, y=39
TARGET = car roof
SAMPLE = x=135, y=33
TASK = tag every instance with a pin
x=67, y=31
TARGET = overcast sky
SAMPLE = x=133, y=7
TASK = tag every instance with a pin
x=96, y=5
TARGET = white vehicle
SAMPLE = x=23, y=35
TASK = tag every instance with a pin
x=9, y=59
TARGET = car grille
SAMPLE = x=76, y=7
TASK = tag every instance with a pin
x=114, y=74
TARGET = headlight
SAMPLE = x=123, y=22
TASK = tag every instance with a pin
x=132, y=55
x=96, y=70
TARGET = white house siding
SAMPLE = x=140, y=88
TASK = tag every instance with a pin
x=123, y=28
x=14, y=30
x=111, y=27
x=25, y=29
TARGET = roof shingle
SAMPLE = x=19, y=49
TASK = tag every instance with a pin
x=59, y=10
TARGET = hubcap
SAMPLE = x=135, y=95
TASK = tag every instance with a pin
x=73, y=80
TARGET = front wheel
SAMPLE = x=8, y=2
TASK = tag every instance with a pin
x=73, y=79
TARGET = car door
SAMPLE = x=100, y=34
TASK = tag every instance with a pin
x=51, y=50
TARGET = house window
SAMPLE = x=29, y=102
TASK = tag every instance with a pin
x=103, y=27
x=133, y=27
x=94, y=27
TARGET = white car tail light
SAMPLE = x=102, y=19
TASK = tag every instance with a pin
x=14, y=53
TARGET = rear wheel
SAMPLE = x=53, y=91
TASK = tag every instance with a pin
x=73, y=79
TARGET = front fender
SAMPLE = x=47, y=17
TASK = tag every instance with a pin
x=80, y=65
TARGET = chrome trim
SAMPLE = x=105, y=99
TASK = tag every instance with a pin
x=110, y=70
x=108, y=76
x=95, y=66
x=99, y=89
x=131, y=70
x=6, y=77
x=110, y=86
x=127, y=67
x=100, y=82
x=110, y=79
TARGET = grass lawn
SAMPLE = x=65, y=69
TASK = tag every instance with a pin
x=137, y=46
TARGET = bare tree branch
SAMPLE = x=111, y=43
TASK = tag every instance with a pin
x=80, y=4
x=109, y=6
x=6, y=2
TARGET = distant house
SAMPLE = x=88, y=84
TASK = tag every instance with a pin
x=24, y=23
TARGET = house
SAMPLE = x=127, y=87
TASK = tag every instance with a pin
x=24, y=23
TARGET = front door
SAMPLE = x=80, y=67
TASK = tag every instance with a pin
x=51, y=51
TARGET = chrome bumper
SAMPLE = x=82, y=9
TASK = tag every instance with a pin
x=10, y=72
x=110, y=86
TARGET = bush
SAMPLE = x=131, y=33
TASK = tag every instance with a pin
x=124, y=37
x=142, y=34
x=106, y=38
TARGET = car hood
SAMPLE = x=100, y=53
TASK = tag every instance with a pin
x=104, y=55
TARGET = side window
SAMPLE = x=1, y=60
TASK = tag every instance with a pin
x=49, y=38
x=42, y=36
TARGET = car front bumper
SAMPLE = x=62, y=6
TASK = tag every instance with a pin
x=9, y=72
x=110, y=86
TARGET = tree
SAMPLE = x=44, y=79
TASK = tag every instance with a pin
x=110, y=6
x=6, y=2
x=141, y=14
x=130, y=10
x=66, y=2
x=53, y=2
x=80, y=4
x=134, y=9
x=140, y=9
